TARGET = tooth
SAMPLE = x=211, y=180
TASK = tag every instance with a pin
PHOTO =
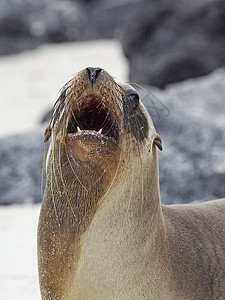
x=100, y=131
x=78, y=129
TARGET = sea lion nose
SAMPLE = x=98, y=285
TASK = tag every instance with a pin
x=93, y=73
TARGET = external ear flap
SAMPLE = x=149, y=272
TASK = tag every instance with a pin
x=158, y=142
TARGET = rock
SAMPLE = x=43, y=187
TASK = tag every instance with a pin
x=190, y=120
x=169, y=41
x=107, y=19
x=164, y=41
x=26, y=24
x=21, y=159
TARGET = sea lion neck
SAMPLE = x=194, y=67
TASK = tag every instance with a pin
x=137, y=195
x=128, y=221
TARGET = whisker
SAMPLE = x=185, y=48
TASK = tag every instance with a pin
x=132, y=174
x=142, y=179
x=76, y=176
x=52, y=193
x=64, y=184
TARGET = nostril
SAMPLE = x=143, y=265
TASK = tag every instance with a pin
x=93, y=73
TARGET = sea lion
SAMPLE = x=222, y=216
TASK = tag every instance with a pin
x=103, y=233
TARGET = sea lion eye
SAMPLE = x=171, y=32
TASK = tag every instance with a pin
x=134, y=99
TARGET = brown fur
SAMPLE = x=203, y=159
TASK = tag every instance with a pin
x=103, y=233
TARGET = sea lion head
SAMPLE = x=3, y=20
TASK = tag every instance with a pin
x=98, y=129
x=99, y=120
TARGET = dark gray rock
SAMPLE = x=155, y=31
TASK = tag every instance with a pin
x=26, y=24
x=164, y=41
x=21, y=158
x=107, y=19
x=169, y=41
x=190, y=120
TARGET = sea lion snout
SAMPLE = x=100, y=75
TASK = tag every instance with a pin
x=93, y=129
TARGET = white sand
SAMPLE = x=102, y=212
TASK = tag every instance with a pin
x=30, y=81
x=18, y=255
x=29, y=86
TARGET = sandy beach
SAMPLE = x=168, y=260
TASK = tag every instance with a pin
x=30, y=82
x=18, y=259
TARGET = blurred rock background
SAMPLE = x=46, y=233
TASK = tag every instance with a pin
x=173, y=48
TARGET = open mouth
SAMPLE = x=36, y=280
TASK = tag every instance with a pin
x=91, y=117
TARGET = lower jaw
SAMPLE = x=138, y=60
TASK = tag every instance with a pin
x=91, y=147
